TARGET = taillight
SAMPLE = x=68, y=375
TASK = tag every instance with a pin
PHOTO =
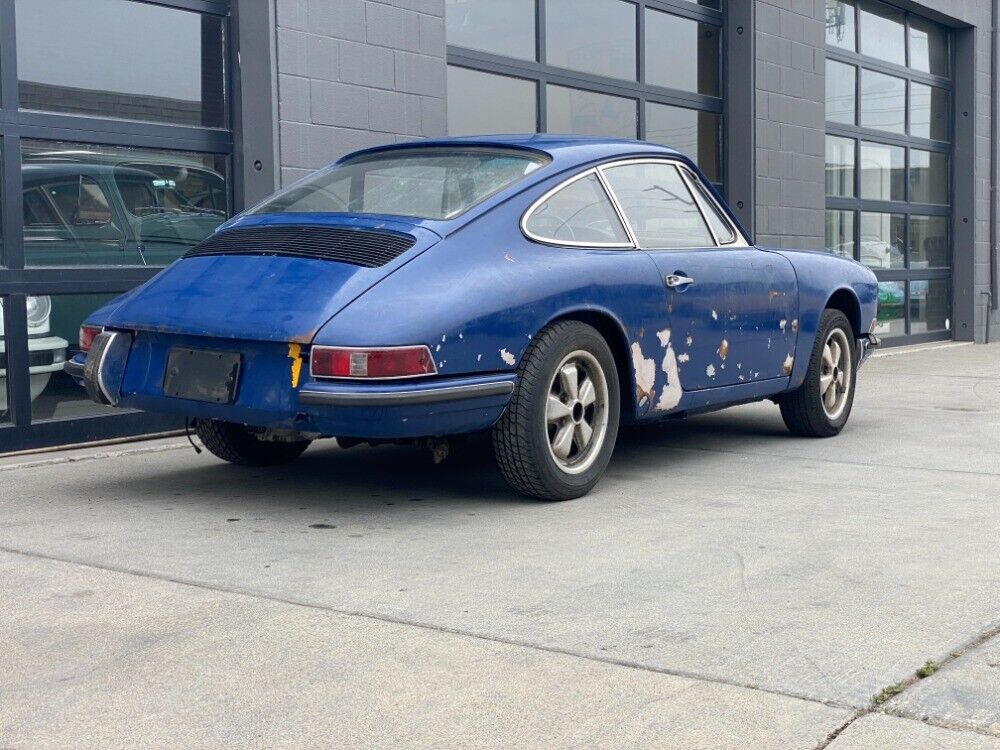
x=392, y=362
x=87, y=336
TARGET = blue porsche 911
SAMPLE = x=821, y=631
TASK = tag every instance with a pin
x=544, y=288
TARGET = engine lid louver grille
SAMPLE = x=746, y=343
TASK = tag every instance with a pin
x=359, y=247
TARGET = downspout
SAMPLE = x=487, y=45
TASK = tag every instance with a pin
x=994, y=291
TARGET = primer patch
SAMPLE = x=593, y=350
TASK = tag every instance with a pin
x=507, y=357
x=671, y=393
x=645, y=374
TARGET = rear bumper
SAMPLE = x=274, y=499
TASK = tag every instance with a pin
x=266, y=397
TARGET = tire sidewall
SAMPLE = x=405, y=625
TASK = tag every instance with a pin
x=831, y=320
x=581, y=337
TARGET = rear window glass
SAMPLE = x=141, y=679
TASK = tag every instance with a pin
x=425, y=183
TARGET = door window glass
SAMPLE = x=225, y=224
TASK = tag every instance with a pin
x=840, y=166
x=581, y=213
x=659, y=207
x=930, y=305
x=480, y=103
x=883, y=102
x=882, y=240
x=589, y=113
x=506, y=28
x=593, y=36
x=682, y=53
x=840, y=93
x=840, y=233
x=929, y=49
x=883, y=32
x=930, y=110
x=695, y=133
x=891, y=309
x=840, y=24
x=720, y=224
x=929, y=244
x=928, y=177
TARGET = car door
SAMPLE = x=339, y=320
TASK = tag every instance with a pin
x=730, y=306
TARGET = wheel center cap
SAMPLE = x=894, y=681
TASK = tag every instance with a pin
x=577, y=412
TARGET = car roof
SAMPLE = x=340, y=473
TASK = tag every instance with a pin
x=559, y=147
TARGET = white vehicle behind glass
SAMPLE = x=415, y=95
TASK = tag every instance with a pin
x=46, y=353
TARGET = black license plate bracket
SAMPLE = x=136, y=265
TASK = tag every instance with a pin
x=202, y=375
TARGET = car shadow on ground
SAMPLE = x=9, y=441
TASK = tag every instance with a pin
x=329, y=477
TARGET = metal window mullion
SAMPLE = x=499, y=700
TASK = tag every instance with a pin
x=540, y=53
x=687, y=9
x=8, y=56
x=11, y=213
x=619, y=209
x=211, y=7
x=16, y=346
x=890, y=69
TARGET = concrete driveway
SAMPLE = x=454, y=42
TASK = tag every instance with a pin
x=726, y=586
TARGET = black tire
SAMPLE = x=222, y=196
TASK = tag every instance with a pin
x=238, y=444
x=521, y=441
x=802, y=409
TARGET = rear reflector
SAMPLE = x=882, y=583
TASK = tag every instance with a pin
x=374, y=364
x=87, y=336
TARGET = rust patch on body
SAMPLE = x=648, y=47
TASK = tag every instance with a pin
x=773, y=293
x=295, y=354
x=710, y=371
x=782, y=325
x=723, y=349
x=795, y=326
x=787, y=366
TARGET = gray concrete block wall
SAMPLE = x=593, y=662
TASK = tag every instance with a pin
x=354, y=74
x=789, y=122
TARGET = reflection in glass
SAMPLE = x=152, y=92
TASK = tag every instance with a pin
x=840, y=92
x=88, y=205
x=580, y=213
x=883, y=102
x=929, y=246
x=595, y=36
x=681, y=53
x=115, y=58
x=928, y=177
x=588, y=113
x=891, y=319
x=840, y=233
x=883, y=32
x=883, y=172
x=928, y=47
x=487, y=103
x=692, y=132
x=930, y=305
x=658, y=206
x=882, y=238
x=54, y=394
x=840, y=24
x=839, y=166
x=506, y=28
x=930, y=110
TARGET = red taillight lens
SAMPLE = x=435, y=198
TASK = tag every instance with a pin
x=87, y=336
x=395, y=362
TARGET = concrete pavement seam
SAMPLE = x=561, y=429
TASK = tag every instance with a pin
x=378, y=617
x=93, y=457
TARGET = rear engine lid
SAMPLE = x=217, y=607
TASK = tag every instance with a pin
x=273, y=278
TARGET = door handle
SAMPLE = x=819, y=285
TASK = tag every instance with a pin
x=675, y=280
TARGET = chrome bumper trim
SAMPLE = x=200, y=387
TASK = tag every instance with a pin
x=405, y=398
x=73, y=369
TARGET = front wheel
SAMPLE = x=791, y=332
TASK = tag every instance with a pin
x=239, y=444
x=821, y=405
x=556, y=437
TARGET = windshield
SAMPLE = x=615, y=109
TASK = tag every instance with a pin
x=425, y=183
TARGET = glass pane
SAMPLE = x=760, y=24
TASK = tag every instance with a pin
x=883, y=32
x=115, y=58
x=426, y=182
x=692, y=132
x=588, y=113
x=883, y=172
x=930, y=112
x=891, y=318
x=929, y=47
x=930, y=305
x=487, y=103
x=595, y=36
x=883, y=102
x=506, y=28
x=839, y=166
x=882, y=240
x=4, y=413
x=716, y=4
x=682, y=54
x=928, y=177
x=841, y=94
x=87, y=205
x=580, y=213
x=840, y=24
x=54, y=394
x=840, y=233
x=719, y=224
x=929, y=244
x=659, y=206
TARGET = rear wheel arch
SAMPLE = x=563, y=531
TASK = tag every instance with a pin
x=613, y=332
x=847, y=302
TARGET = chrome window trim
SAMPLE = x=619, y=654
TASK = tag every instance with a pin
x=686, y=176
x=569, y=243
x=701, y=196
